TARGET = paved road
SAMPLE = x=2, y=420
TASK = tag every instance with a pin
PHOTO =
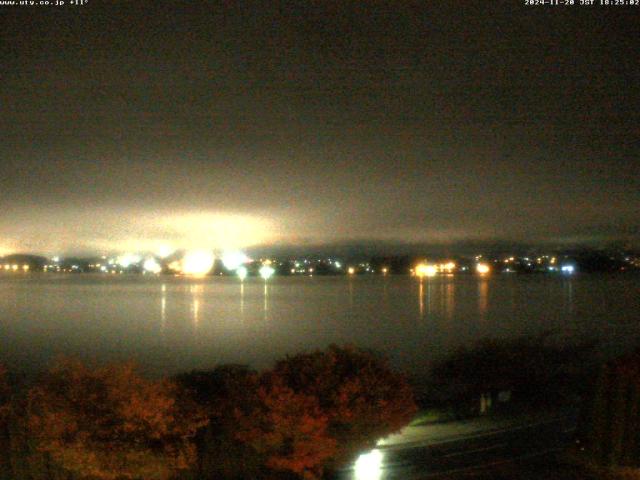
x=425, y=460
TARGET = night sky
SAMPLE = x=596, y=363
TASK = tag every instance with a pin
x=129, y=125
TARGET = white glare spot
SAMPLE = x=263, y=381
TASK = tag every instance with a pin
x=197, y=262
x=232, y=260
x=369, y=466
x=242, y=273
x=150, y=265
x=127, y=260
x=266, y=271
x=164, y=251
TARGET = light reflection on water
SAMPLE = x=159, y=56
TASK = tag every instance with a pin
x=266, y=299
x=451, y=291
x=163, y=309
x=483, y=297
x=170, y=324
x=195, y=305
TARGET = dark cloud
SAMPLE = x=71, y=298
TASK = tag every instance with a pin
x=398, y=122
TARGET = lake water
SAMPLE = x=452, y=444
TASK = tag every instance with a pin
x=171, y=324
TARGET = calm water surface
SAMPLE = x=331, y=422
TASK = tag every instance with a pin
x=172, y=324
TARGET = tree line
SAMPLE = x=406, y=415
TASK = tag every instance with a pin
x=309, y=414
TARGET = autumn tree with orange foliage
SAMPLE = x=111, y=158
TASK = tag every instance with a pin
x=287, y=428
x=358, y=393
x=110, y=423
x=312, y=411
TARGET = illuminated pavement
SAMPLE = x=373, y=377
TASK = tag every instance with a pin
x=433, y=451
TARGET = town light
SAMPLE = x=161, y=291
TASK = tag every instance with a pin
x=175, y=266
x=449, y=266
x=127, y=260
x=197, y=262
x=242, y=272
x=483, y=268
x=425, y=270
x=266, y=272
x=152, y=266
x=351, y=270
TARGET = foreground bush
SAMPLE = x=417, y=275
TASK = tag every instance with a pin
x=532, y=368
x=613, y=430
x=310, y=413
x=110, y=423
x=5, y=397
x=227, y=394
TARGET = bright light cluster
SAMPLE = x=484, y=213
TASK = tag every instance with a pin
x=448, y=267
x=15, y=267
x=129, y=259
x=197, y=263
x=431, y=270
x=151, y=265
x=483, y=268
x=426, y=270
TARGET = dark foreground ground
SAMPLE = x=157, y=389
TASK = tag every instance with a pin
x=515, y=448
x=557, y=466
